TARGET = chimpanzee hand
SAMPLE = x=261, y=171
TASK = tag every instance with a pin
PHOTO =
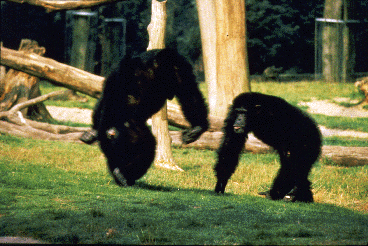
x=192, y=134
x=89, y=137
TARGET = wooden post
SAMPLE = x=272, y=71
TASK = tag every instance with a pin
x=207, y=23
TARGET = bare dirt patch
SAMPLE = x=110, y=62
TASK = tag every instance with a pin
x=19, y=240
x=78, y=115
x=329, y=108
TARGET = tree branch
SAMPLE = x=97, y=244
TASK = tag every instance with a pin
x=51, y=5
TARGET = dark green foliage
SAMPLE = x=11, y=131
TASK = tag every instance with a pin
x=276, y=29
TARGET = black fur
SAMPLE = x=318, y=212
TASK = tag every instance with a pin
x=291, y=132
x=132, y=93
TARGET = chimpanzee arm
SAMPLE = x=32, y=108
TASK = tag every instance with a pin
x=231, y=146
x=90, y=137
x=228, y=159
x=195, y=111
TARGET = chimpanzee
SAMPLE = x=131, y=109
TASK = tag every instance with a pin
x=132, y=93
x=291, y=132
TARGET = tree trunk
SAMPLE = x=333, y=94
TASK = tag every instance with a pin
x=17, y=87
x=160, y=127
x=231, y=58
x=207, y=23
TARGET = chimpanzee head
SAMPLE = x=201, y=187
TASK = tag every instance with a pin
x=243, y=118
x=240, y=120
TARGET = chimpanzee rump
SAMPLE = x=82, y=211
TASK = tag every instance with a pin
x=291, y=132
x=132, y=93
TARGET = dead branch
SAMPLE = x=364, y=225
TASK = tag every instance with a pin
x=16, y=124
x=33, y=101
x=51, y=5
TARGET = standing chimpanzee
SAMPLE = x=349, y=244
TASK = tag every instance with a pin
x=132, y=93
x=291, y=132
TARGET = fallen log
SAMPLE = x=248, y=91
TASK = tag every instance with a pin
x=53, y=71
x=346, y=156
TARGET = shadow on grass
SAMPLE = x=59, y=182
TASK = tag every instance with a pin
x=136, y=215
x=144, y=185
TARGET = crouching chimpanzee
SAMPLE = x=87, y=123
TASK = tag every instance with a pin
x=292, y=133
x=132, y=93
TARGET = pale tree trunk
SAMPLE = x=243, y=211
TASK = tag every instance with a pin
x=231, y=53
x=160, y=127
x=207, y=23
x=330, y=56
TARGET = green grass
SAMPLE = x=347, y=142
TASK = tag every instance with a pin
x=345, y=141
x=62, y=193
x=342, y=123
x=294, y=92
x=46, y=87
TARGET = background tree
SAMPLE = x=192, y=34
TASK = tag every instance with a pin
x=231, y=54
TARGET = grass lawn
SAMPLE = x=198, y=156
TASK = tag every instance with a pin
x=61, y=192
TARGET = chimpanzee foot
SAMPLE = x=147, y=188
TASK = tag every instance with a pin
x=89, y=137
x=293, y=196
x=299, y=195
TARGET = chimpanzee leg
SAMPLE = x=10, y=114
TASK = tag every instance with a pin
x=302, y=191
x=228, y=158
x=285, y=179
